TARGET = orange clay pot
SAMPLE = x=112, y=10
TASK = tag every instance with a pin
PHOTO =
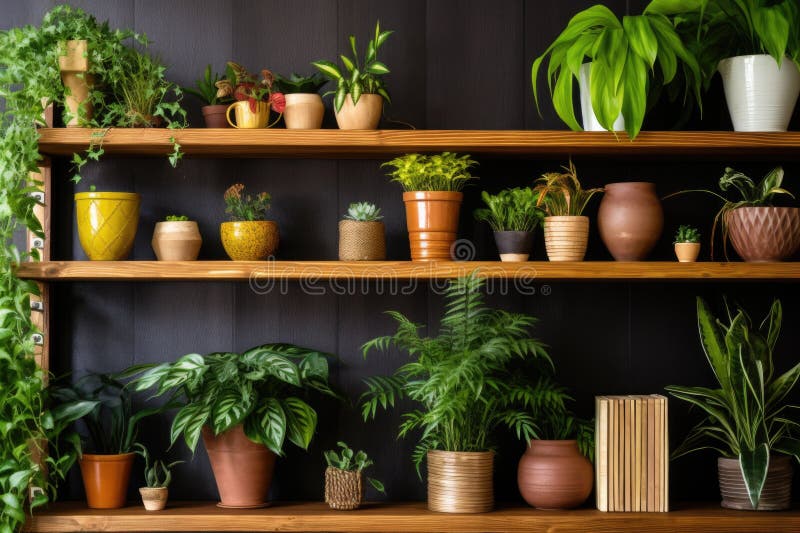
x=105, y=478
x=432, y=219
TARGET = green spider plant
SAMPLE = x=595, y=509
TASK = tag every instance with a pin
x=561, y=193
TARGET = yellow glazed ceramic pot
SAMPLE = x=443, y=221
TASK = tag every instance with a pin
x=249, y=240
x=245, y=118
x=107, y=223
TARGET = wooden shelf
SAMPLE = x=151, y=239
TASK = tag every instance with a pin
x=386, y=270
x=406, y=517
x=381, y=143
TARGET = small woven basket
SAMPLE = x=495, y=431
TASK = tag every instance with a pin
x=361, y=241
x=344, y=489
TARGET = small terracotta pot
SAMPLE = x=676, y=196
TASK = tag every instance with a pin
x=760, y=234
x=74, y=67
x=365, y=115
x=154, y=498
x=105, y=478
x=460, y=482
x=630, y=220
x=514, y=246
x=361, y=240
x=176, y=240
x=776, y=494
x=242, y=469
x=432, y=220
x=344, y=489
x=249, y=240
x=553, y=474
x=304, y=111
x=687, y=252
x=566, y=237
x=214, y=115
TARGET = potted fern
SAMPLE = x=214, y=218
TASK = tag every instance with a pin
x=304, y=108
x=513, y=214
x=248, y=236
x=215, y=106
x=362, y=234
x=157, y=477
x=344, y=479
x=687, y=244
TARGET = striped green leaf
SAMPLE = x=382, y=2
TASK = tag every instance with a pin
x=301, y=421
x=328, y=69
x=273, y=425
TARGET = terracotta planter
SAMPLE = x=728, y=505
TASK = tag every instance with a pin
x=154, y=498
x=776, y=494
x=176, y=241
x=361, y=240
x=249, y=240
x=246, y=118
x=344, y=489
x=460, y=482
x=760, y=234
x=304, y=111
x=553, y=474
x=214, y=115
x=107, y=223
x=242, y=469
x=105, y=478
x=630, y=220
x=687, y=252
x=74, y=67
x=365, y=115
x=514, y=246
x=566, y=237
x=432, y=220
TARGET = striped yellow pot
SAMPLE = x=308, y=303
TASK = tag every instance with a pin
x=107, y=223
x=566, y=237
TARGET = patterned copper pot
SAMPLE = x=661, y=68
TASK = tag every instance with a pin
x=630, y=219
x=777, y=491
x=552, y=474
x=760, y=234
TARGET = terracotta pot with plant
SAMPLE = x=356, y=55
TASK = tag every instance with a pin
x=432, y=187
x=254, y=96
x=304, y=108
x=205, y=90
x=176, y=239
x=513, y=214
x=462, y=395
x=107, y=223
x=344, y=479
x=687, y=244
x=747, y=419
x=157, y=477
x=248, y=236
x=362, y=236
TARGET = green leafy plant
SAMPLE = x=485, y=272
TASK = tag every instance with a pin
x=352, y=462
x=176, y=218
x=241, y=85
x=511, y=210
x=746, y=417
x=244, y=206
x=561, y=194
x=438, y=172
x=686, y=234
x=206, y=89
x=359, y=78
x=158, y=474
x=624, y=55
x=259, y=388
x=295, y=83
x=363, y=212
x=464, y=380
x=561, y=424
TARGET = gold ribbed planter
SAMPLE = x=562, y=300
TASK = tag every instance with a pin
x=566, y=237
x=344, y=489
x=361, y=240
x=460, y=482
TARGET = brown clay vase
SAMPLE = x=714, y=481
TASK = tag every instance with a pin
x=630, y=219
x=553, y=474
x=243, y=469
x=760, y=234
x=214, y=115
x=460, y=482
x=432, y=220
x=777, y=491
x=105, y=478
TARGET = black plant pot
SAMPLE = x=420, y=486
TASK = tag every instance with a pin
x=514, y=245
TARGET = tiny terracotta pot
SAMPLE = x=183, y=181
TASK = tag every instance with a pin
x=432, y=220
x=154, y=498
x=566, y=237
x=304, y=111
x=762, y=234
x=361, y=240
x=776, y=494
x=176, y=240
x=365, y=115
x=687, y=252
x=553, y=474
x=460, y=482
x=74, y=66
x=630, y=220
x=249, y=240
x=105, y=478
x=344, y=489
x=514, y=246
x=214, y=115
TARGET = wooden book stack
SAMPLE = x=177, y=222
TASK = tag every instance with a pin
x=632, y=453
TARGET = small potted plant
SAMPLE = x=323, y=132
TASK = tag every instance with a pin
x=254, y=96
x=107, y=223
x=687, y=244
x=360, y=91
x=157, y=477
x=432, y=194
x=344, y=484
x=362, y=236
x=215, y=106
x=176, y=239
x=304, y=108
x=248, y=236
x=513, y=214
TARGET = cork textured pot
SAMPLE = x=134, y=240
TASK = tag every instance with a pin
x=365, y=115
x=776, y=494
x=344, y=489
x=304, y=111
x=107, y=223
x=154, y=498
x=687, y=252
x=460, y=482
x=432, y=220
x=176, y=240
x=566, y=237
x=761, y=234
x=630, y=220
x=361, y=240
x=514, y=246
x=105, y=478
x=249, y=240
x=214, y=116
x=553, y=474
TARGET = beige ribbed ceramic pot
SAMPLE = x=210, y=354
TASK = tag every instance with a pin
x=566, y=237
x=460, y=482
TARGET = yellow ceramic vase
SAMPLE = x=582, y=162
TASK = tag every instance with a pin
x=249, y=240
x=107, y=223
x=245, y=118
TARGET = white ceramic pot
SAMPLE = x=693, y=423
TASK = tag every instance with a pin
x=590, y=122
x=761, y=96
x=304, y=111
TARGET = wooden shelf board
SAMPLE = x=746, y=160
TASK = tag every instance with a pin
x=406, y=517
x=387, y=270
x=332, y=143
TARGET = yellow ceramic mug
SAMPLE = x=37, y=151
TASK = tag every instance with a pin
x=245, y=118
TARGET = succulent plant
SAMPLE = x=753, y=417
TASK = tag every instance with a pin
x=363, y=212
x=687, y=234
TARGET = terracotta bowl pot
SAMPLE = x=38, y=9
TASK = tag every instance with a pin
x=761, y=234
x=214, y=116
x=687, y=252
x=553, y=474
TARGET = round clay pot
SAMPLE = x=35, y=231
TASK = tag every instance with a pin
x=154, y=498
x=776, y=494
x=249, y=240
x=460, y=482
x=630, y=220
x=553, y=474
x=74, y=66
x=365, y=115
x=760, y=234
x=176, y=240
x=242, y=469
x=687, y=252
x=514, y=246
x=107, y=223
x=214, y=115
x=105, y=478
x=432, y=220
x=566, y=237
x=361, y=240
x=344, y=489
x=304, y=111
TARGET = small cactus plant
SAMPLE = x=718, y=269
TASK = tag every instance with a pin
x=363, y=212
x=687, y=234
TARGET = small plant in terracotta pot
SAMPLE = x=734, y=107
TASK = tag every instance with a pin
x=215, y=106
x=176, y=239
x=513, y=214
x=157, y=477
x=254, y=95
x=304, y=108
x=344, y=485
x=362, y=236
x=687, y=244
x=248, y=236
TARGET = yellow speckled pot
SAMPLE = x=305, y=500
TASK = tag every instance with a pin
x=249, y=240
x=107, y=223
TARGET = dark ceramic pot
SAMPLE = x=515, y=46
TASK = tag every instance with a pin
x=514, y=245
x=776, y=494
